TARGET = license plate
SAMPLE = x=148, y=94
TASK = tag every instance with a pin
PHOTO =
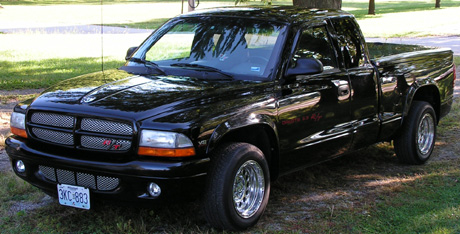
x=75, y=196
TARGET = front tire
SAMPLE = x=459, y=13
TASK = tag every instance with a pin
x=415, y=143
x=238, y=187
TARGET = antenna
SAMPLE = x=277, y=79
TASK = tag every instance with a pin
x=102, y=36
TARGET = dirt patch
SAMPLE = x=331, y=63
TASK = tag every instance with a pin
x=8, y=99
x=4, y=161
x=20, y=92
x=4, y=124
x=4, y=132
x=24, y=206
x=457, y=83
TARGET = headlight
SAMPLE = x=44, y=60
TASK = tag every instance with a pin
x=165, y=144
x=18, y=124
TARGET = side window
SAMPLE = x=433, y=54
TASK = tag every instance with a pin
x=348, y=37
x=315, y=43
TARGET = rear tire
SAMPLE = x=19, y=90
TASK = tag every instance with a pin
x=238, y=187
x=415, y=143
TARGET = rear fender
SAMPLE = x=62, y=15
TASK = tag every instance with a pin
x=428, y=92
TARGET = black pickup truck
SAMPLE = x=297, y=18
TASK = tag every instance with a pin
x=222, y=102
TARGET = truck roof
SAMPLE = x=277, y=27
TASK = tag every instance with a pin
x=286, y=14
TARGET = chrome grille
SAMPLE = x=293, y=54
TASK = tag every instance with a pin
x=102, y=143
x=81, y=132
x=53, y=136
x=65, y=177
x=51, y=119
x=104, y=183
x=95, y=142
x=48, y=172
x=86, y=180
x=107, y=183
x=104, y=126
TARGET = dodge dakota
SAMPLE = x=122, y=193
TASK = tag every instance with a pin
x=219, y=103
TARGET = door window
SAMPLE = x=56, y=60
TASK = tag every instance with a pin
x=348, y=36
x=315, y=43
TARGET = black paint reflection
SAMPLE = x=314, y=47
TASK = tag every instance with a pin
x=164, y=98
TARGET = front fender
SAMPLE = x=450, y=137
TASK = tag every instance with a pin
x=240, y=122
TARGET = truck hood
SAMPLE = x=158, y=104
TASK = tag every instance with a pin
x=117, y=93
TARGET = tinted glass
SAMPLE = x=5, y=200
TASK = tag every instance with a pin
x=314, y=43
x=348, y=36
x=237, y=46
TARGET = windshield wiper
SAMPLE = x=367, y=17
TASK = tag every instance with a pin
x=202, y=67
x=148, y=64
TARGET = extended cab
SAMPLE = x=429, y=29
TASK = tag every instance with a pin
x=224, y=101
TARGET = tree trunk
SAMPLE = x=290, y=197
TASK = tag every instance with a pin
x=371, y=7
x=438, y=4
x=325, y=4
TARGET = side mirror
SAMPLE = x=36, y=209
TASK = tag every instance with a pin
x=130, y=52
x=306, y=66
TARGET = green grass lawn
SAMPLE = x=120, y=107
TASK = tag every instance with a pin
x=32, y=61
x=35, y=74
x=429, y=204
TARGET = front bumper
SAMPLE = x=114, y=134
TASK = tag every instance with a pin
x=177, y=179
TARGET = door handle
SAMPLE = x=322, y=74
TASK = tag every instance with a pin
x=388, y=80
x=343, y=89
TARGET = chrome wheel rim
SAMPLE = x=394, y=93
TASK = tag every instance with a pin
x=248, y=189
x=425, y=135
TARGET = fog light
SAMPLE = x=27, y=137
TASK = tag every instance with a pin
x=20, y=167
x=154, y=190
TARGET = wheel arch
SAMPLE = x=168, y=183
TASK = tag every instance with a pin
x=261, y=133
x=427, y=93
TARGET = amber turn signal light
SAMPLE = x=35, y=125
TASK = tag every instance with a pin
x=160, y=152
x=19, y=132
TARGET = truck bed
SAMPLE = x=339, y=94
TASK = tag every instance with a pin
x=416, y=64
x=379, y=49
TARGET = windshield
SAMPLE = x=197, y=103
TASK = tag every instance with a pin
x=240, y=48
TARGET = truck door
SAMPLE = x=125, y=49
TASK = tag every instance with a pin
x=364, y=89
x=314, y=113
